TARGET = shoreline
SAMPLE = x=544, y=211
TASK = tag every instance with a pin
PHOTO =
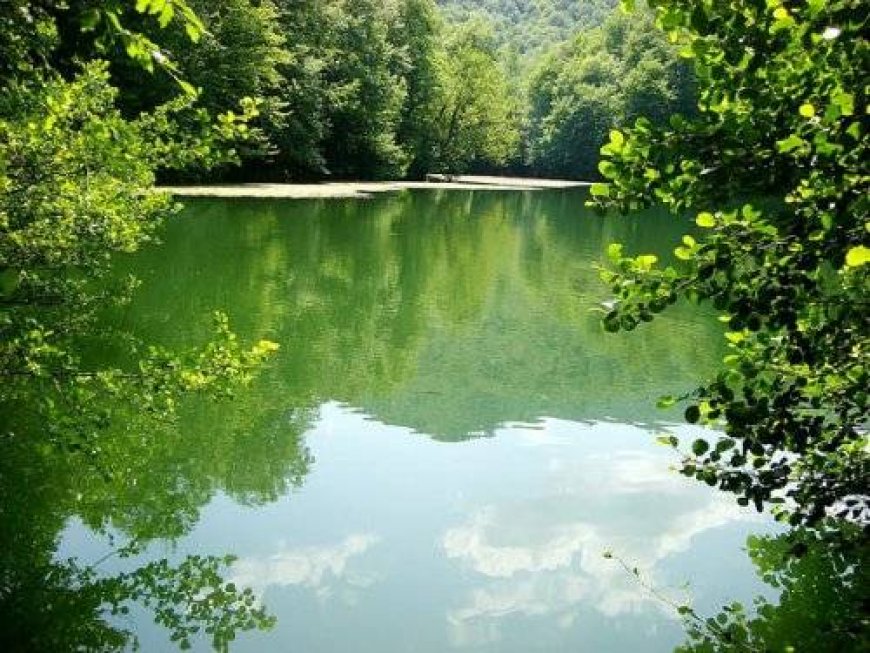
x=364, y=189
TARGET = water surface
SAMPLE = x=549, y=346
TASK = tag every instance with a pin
x=447, y=441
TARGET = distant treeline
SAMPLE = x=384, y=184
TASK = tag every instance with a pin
x=527, y=27
x=376, y=89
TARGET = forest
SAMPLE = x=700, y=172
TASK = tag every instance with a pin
x=365, y=89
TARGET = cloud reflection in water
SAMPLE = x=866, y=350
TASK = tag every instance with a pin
x=318, y=568
x=542, y=556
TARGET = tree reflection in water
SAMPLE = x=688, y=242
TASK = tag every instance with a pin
x=139, y=490
x=450, y=314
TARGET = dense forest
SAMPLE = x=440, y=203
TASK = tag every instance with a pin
x=529, y=27
x=365, y=89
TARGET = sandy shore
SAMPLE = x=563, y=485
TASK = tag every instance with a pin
x=365, y=189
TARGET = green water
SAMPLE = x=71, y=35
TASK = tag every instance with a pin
x=445, y=444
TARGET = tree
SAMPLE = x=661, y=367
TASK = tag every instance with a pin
x=75, y=177
x=241, y=53
x=573, y=104
x=304, y=91
x=415, y=32
x=476, y=120
x=773, y=173
x=369, y=92
x=822, y=603
x=604, y=78
x=76, y=193
x=529, y=27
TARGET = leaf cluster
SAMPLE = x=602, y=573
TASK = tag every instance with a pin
x=773, y=169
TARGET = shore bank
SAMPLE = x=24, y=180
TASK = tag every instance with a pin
x=363, y=189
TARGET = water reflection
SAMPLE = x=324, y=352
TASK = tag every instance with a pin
x=450, y=313
x=398, y=542
x=316, y=568
x=51, y=602
x=543, y=556
x=823, y=599
x=405, y=322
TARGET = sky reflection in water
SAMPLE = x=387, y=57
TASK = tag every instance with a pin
x=397, y=542
x=464, y=440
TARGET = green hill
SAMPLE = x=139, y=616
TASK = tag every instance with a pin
x=528, y=26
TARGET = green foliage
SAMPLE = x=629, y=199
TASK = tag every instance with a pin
x=386, y=91
x=76, y=193
x=529, y=27
x=239, y=54
x=602, y=79
x=64, y=606
x=821, y=605
x=189, y=599
x=476, y=118
x=416, y=31
x=368, y=92
x=365, y=89
x=783, y=100
x=76, y=179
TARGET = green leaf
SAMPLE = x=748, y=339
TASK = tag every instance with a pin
x=194, y=32
x=646, y=261
x=165, y=16
x=188, y=88
x=614, y=252
x=666, y=402
x=807, y=110
x=600, y=190
x=858, y=256
x=845, y=101
x=706, y=220
x=700, y=447
x=668, y=440
x=617, y=139
x=90, y=19
x=790, y=144
x=607, y=169
x=735, y=337
x=683, y=253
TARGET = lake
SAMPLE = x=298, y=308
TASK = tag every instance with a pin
x=446, y=443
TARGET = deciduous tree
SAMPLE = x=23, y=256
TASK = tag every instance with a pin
x=773, y=175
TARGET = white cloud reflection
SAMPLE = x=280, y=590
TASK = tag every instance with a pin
x=318, y=568
x=544, y=556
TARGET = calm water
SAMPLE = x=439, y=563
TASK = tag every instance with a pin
x=446, y=442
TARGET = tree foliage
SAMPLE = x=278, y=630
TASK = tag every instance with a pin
x=821, y=607
x=529, y=27
x=362, y=89
x=603, y=79
x=773, y=173
x=76, y=193
x=476, y=120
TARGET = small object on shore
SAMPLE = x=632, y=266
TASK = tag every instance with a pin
x=440, y=178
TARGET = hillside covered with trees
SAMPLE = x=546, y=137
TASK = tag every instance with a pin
x=529, y=26
x=365, y=89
